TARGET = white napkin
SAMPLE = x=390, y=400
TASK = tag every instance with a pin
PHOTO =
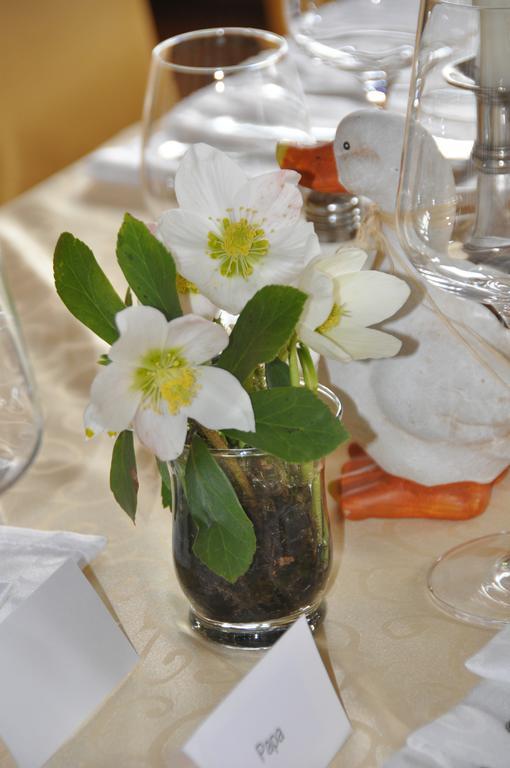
x=117, y=163
x=493, y=661
x=4, y=589
x=475, y=733
x=29, y=557
x=408, y=758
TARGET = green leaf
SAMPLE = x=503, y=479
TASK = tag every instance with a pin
x=123, y=475
x=84, y=288
x=225, y=540
x=167, y=488
x=264, y=326
x=167, y=499
x=164, y=473
x=292, y=423
x=277, y=374
x=148, y=267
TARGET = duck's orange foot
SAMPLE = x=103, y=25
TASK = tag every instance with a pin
x=365, y=490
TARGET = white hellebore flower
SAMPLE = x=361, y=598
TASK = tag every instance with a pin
x=192, y=301
x=343, y=301
x=156, y=380
x=233, y=234
x=190, y=298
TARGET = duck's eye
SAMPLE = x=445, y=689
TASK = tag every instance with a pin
x=347, y=145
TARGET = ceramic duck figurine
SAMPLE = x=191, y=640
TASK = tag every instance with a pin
x=439, y=413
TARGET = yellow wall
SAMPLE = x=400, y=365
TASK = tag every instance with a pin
x=73, y=73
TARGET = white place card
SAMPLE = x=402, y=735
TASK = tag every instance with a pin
x=284, y=714
x=61, y=654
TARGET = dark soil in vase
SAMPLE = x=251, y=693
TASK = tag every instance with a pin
x=291, y=562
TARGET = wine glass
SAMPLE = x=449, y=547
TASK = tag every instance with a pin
x=20, y=416
x=233, y=88
x=457, y=235
x=373, y=39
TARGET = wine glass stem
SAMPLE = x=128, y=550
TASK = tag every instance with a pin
x=376, y=86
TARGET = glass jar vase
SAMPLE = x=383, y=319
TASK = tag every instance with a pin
x=288, y=575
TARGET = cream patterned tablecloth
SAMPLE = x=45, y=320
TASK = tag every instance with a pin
x=398, y=661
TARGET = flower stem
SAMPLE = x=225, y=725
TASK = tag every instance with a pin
x=308, y=367
x=212, y=438
x=309, y=472
x=218, y=442
x=295, y=379
x=310, y=475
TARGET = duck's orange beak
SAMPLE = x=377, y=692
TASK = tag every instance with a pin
x=315, y=163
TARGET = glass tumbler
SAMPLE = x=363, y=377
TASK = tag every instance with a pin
x=232, y=88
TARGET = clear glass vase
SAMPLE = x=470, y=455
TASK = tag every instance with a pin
x=454, y=225
x=20, y=414
x=289, y=572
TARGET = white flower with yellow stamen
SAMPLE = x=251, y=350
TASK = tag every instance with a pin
x=232, y=234
x=343, y=301
x=192, y=301
x=156, y=381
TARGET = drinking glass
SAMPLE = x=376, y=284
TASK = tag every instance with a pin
x=20, y=416
x=233, y=88
x=457, y=235
x=373, y=39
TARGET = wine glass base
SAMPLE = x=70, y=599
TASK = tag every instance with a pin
x=472, y=581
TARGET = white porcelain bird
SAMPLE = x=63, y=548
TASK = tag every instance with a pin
x=440, y=411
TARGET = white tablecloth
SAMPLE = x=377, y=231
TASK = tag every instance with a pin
x=399, y=662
